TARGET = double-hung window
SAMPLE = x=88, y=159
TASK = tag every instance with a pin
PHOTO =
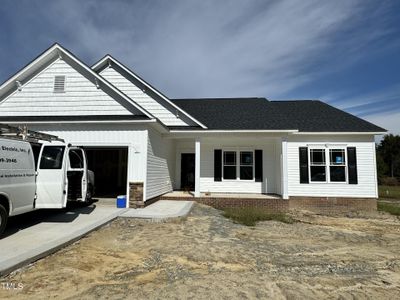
x=230, y=165
x=328, y=165
x=317, y=165
x=337, y=165
x=238, y=165
x=246, y=165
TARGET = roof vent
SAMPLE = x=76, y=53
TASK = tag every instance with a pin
x=59, y=84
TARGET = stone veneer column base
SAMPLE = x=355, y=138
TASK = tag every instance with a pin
x=136, y=195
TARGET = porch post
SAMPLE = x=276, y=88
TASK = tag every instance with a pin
x=284, y=170
x=197, y=169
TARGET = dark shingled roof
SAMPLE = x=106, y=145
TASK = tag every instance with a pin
x=259, y=113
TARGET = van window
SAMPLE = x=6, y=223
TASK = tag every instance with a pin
x=76, y=159
x=52, y=157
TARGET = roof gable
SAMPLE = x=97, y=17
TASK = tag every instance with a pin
x=30, y=91
x=144, y=94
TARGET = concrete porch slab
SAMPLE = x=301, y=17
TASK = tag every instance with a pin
x=34, y=235
x=161, y=210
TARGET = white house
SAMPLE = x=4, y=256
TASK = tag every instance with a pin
x=140, y=141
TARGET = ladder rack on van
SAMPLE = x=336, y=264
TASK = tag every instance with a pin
x=25, y=134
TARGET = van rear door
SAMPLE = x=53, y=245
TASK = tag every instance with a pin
x=51, y=181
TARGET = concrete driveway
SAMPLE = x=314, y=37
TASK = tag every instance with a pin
x=34, y=235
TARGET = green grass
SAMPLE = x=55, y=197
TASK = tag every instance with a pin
x=389, y=192
x=250, y=216
x=392, y=209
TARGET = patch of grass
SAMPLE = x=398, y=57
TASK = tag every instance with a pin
x=389, y=192
x=392, y=209
x=250, y=216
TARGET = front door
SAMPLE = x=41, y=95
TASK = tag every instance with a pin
x=187, y=171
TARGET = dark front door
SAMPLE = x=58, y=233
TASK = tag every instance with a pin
x=187, y=171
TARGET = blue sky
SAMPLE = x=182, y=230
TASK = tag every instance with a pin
x=344, y=52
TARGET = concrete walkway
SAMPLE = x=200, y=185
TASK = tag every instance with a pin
x=34, y=235
x=161, y=210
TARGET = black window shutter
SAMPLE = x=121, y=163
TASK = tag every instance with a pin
x=217, y=165
x=258, y=165
x=303, y=158
x=352, y=165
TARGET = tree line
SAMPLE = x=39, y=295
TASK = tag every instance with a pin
x=388, y=159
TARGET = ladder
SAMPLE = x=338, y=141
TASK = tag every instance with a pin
x=22, y=133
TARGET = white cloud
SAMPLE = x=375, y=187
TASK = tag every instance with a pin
x=208, y=48
x=215, y=48
x=389, y=121
x=389, y=94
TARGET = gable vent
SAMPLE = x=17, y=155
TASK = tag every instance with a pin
x=59, y=84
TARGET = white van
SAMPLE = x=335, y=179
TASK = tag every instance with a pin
x=41, y=175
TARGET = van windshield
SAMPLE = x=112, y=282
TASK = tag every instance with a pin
x=52, y=157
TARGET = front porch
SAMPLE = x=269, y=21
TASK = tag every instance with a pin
x=230, y=166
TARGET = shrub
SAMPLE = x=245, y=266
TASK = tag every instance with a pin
x=249, y=216
x=390, y=181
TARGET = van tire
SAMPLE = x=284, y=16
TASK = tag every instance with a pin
x=3, y=218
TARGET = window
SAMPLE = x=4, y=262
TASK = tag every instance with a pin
x=328, y=165
x=317, y=165
x=52, y=157
x=229, y=165
x=76, y=159
x=337, y=165
x=246, y=165
x=59, y=84
x=234, y=170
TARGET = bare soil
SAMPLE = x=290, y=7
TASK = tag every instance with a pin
x=207, y=256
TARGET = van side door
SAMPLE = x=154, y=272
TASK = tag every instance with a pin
x=51, y=181
x=77, y=174
x=17, y=175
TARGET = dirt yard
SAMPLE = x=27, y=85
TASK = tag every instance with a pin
x=206, y=256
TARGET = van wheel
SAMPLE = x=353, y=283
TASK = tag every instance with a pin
x=3, y=218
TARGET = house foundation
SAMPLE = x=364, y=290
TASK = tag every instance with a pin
x=324, y=205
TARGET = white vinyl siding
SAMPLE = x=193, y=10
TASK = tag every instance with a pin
x=168, y=117
x=366, y=169
x=107, y=135
x=160, y=165
x=80, y=96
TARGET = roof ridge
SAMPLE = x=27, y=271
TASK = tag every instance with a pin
x=296, y=100
x=220, y=98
